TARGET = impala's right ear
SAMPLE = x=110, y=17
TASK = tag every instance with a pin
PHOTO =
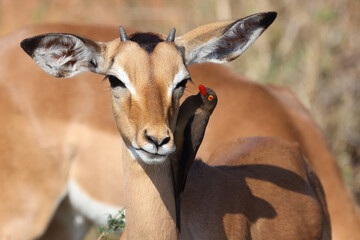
x=223, y=41
x=65, y=55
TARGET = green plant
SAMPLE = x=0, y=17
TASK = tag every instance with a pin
x=114, y=224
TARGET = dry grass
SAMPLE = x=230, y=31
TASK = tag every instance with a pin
x=312, y=48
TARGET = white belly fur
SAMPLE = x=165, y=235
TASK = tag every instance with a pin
x=91, y=208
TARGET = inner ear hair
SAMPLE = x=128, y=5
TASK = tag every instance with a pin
x=63, y=55
x=223, y=41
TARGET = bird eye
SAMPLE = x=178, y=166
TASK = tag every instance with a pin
x=182, y=84
x=115, y=82
x=211, y=97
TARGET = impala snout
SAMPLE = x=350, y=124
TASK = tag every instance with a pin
x=158, y=141
x=155, y=144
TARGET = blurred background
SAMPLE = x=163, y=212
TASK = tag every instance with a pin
x=312, y=48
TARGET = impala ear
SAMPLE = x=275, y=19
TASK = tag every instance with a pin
x=223, y=41
x=64, y=55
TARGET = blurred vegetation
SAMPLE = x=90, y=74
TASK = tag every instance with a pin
x=115, y=224
x=312, y=48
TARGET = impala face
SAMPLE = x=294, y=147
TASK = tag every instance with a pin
x=145, y=94
x=147, y=73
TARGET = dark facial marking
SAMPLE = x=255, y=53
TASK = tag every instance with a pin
x=147, y=41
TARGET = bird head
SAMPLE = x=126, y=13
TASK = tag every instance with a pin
x=209, y=98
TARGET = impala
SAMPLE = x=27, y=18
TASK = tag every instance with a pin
x=241, y=204
x=146, y=92
x=48, y=128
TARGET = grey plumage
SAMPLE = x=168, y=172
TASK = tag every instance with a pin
x=193, y=118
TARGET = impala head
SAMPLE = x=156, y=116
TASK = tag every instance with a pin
x=147, y=72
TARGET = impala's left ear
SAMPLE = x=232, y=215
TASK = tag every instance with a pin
x=65, y=55
x=223, y=41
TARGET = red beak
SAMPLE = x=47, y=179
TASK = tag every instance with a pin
x=202, y=90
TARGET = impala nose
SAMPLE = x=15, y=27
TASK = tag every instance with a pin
x=158, y=141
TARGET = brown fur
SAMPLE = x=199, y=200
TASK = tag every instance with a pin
x=209, y=195
x=78, y=106
x=260, y=190
x=149, y=200
x=149, y=83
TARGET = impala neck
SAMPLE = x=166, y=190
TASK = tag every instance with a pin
x=150, y=204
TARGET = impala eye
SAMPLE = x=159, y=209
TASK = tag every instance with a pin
x=115, y=82
x=182, y=84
